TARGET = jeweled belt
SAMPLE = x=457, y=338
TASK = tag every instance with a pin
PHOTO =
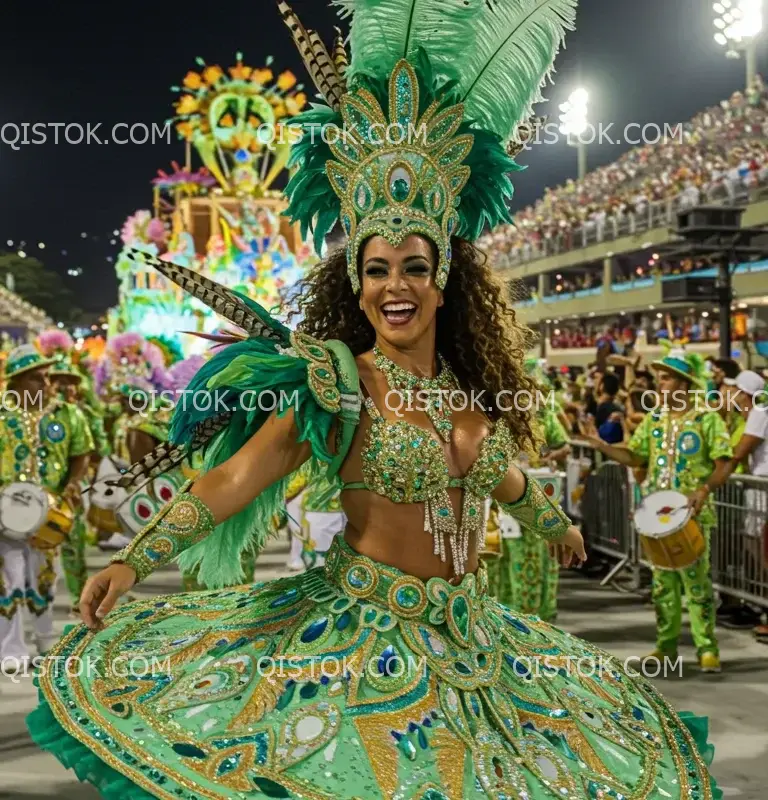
x=406, y=596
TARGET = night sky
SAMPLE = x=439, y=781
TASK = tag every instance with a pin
x=88, y=62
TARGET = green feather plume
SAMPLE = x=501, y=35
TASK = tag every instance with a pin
x=243, y=372
x=313, y=202
x=384, y=31
x=515, y=44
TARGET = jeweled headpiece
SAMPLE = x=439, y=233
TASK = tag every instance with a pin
x=419, y=127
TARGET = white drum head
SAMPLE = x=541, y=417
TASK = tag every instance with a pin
x=551, y=483
x=662, y=513
x=104, y=495
x=23, y=509
x=137, y=511
x=509, y=527
x=165, y=488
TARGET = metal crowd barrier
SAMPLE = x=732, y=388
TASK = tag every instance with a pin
x=605, y=508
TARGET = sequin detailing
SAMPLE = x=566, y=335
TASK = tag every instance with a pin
x=536, y=511
x=185, y=521
x=406, y=464
x=419, y=691
x=321, y=372
x=435, y=390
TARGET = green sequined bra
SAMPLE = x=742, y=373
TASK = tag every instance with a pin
x=406, y=464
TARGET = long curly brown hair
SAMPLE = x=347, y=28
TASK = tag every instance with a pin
x=477, y=331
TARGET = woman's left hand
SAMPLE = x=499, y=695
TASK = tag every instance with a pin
x=568, y=547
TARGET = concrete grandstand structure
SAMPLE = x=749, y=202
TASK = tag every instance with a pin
x=590, y=253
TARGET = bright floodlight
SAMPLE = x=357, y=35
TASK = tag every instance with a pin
x=573, y=120
x=580, y=97
x=742, y=23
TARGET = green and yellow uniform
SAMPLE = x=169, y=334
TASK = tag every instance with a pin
x=37, y=446
x=526, y=577
x=681, y=451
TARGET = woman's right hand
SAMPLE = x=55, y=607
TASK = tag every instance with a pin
x=102, y=591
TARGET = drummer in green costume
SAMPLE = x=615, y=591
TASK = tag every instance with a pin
x=67, y=380
x=686, y=449
x=43, y=441
x=526, y=575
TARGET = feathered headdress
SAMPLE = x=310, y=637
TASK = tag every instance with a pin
x=414, y=137
x=182, y=372
x=55, y=342
x=58, y=345
x=131, y=361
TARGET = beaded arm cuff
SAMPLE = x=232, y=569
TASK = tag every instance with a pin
x=185, y=521
x=534, y=510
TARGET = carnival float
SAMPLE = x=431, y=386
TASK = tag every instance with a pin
x=221, y=218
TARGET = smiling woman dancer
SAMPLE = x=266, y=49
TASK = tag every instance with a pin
x=389, y=672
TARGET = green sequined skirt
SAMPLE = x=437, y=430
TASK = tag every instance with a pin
x=356, y=681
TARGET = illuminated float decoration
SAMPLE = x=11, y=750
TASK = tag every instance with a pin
x=222, y=219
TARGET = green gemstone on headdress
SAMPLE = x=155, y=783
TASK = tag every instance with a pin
x=400, y=190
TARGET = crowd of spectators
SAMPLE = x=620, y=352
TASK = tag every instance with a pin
x=620, y=338
x=656, y=268
x=722, y=152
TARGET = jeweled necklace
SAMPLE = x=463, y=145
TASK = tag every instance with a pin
x=438, y=409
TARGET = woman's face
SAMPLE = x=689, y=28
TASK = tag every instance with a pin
x=399, y=295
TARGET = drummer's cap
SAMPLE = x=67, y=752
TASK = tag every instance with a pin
x=63, y=366
x=689, y=366
x=23, y=359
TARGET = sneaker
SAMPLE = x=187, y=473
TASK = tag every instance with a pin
x=659, y=655
x=709, y=662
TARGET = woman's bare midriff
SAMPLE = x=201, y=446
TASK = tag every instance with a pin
x=393, y=534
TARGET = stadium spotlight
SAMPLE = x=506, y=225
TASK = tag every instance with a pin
x=574, y=123
x=738, y=24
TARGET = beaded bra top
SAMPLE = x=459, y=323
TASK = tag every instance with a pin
x=405, y=463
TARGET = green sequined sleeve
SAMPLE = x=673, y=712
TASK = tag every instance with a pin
x=716, y=436
x=555, y=434
x=535, y=511
x=81, y=439
x=185, y=521
x=640, y=443
x=99, y=434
